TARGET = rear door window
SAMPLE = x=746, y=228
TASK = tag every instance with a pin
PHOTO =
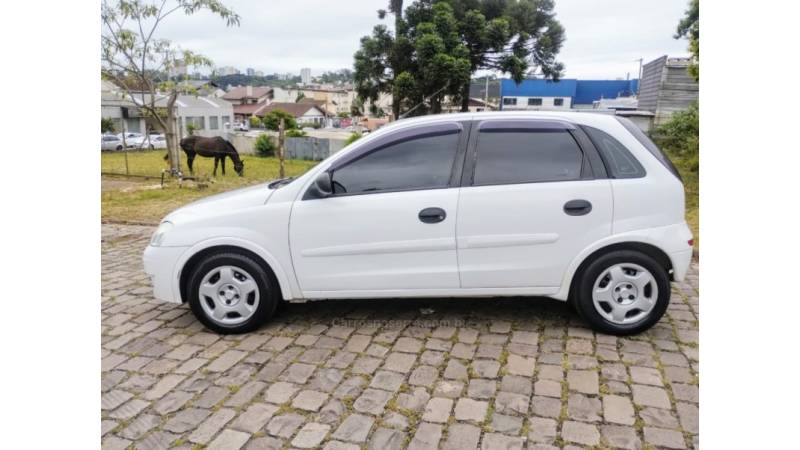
x=527, y=156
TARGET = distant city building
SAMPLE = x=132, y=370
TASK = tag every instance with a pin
x=227, y=70
x=667, y=87
x=250, y=71
x=539, y=94
x=259, y=73
x=305, y=75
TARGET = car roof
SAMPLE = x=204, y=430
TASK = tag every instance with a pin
x=580, y=118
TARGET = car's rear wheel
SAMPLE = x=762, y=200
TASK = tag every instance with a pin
x=231, y=293
x=119, y=148
x=622, y=292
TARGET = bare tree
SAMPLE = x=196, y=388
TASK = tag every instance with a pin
x=134, y=58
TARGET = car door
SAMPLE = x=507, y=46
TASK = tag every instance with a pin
x=535, y=194
x=389, y=227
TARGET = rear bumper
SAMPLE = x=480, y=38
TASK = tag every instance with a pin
x=680, y=263
x=160, y=264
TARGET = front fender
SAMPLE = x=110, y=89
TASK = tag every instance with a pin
x=287, y=289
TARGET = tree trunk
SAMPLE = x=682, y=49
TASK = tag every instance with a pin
x=465, y=97
x=170, y=133
x=281, y=153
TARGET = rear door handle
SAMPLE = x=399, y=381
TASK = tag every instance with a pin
x=432, y=215
x=577, y=207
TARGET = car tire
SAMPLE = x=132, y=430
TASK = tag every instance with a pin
x=622, y=292
x=230, y=293
x=119, y=148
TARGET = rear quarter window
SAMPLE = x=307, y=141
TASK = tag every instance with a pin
x=618, y=159
x=649, y=145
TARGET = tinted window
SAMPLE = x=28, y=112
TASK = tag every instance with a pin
x=534, y=102
x=619, y=161
x=558, y=102
x=506, y=157
x=509, y=101
x=649, y=145
x=413, y=164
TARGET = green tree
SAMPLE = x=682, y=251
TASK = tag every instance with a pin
x=132, y=55
x=255, y=122
x=434, y=45
x=273, y=119
x=680, y=136
x=106, y=125
x=352, y=138
x=689, y=27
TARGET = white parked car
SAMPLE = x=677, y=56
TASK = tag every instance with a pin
x=110, y=142
x=579, y=207
x=130, y=136
x=153, y=141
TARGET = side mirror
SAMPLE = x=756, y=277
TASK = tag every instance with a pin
x=323, y=185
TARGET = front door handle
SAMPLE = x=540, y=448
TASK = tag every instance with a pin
x=432, y=215
x=577, y=207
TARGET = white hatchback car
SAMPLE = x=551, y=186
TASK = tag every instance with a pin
x=579, y=207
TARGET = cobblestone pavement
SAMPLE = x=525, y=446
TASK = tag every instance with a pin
x=417, y=374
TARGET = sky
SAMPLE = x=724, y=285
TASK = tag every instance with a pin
x=604, y=39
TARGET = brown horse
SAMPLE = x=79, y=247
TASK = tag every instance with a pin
x=211, y=147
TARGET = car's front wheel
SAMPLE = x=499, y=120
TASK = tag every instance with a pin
x=231, y=293
x=622, y=292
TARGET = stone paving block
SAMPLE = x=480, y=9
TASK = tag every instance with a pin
x=583, y=381
x=468, y=409
x=280, y=392
x=618, y=409
x=309, y=400
x=400, y=362
x=581, y=433
x=423, y=376
x=455, y=370
x=546, y=406
x=548, y=388
x=438, y=410
x=542, y=431
x=448, y=389
x=510, y=403
x=518, y=365
x=481, y=389
x=139, y=426
x=310, y=435
x=284, y=425
x=390, y=381
x=485, y=368
x=689, y=417
x=298, y=373
x=664, y=438
x=646, y=375
x=354, y=428
x=387, y=439
x=427, y=437
x=650, y=396
x=504, y=424
x=265, y=443
x=211, y=426
x=497, y=441
x=621, y=437
x=462, y=437
x=254, y=418
x=229, y=440
x=372, y=401
x=583, y=408
x=185, y=420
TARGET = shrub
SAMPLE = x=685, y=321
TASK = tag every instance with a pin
x=352, y=138
x=313, y=125
x=273, y=119
x=295, y=133
x=680, y=137
x=264, y=145
x=106, y=125
x=255, y=122
x=190, y=128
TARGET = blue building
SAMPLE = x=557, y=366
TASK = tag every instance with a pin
x=563, y=94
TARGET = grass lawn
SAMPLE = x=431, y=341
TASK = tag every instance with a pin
x=145, y=201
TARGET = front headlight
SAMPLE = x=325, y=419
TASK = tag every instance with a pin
x=158, y=236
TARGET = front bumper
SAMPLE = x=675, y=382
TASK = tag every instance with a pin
x=160, y=264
